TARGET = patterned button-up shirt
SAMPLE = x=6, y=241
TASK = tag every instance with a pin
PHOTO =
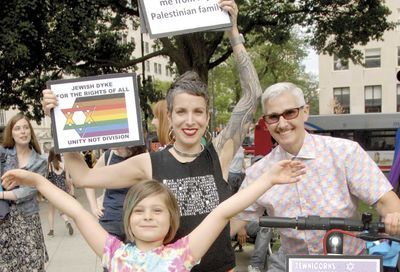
x=338, y=172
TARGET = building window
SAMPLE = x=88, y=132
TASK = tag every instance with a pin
x=134, y=25
x=147, y=66
x=155, y=68
x=342, y=100
x=373, y=58
x=398, y=19
x=124, y=39
x=146, y=47
x=133, y=40
x=159, y=69
x=339, y=64
x=398, y=56
x=166, y=70
x=398, y=97
x=3, y=117
x=373, y=98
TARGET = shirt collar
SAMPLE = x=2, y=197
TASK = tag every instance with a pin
x=306, y=152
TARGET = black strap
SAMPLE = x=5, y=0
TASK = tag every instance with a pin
x=2, y=162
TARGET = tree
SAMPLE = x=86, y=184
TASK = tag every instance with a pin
x=41, y=40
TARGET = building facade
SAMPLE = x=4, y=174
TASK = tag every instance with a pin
x=157, y=67
x=374, y=87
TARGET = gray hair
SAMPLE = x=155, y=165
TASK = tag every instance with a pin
x=189, y=83
x=282, y=88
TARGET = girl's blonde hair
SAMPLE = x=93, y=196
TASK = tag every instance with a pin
x=160, y=111
x=8, y=140
x=144, y=189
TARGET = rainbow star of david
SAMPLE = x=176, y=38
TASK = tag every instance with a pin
x=97, y=116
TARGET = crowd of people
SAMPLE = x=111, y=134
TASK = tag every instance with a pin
x=173, y=209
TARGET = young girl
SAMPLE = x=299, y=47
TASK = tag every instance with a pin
x=58, y=177
x=151, y=219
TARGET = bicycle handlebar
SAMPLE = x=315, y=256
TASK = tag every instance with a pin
x=321, y=223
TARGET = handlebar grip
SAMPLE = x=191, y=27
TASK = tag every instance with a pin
x=328, y=223
x=278, y=222
x=312, y=223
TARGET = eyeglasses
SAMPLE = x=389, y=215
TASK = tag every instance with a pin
x=288, y=114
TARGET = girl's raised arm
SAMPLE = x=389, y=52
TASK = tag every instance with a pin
x=231, y=137
x=91, y=230
x=202, y=237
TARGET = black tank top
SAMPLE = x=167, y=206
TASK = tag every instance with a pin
x=113, y=198
x=198, y=187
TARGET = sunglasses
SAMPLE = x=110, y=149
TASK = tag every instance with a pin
x=288, y=114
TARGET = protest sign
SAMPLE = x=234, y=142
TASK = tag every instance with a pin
x=96, y=112
x=173, y=17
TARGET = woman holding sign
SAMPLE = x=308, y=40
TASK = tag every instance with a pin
x=195, y=173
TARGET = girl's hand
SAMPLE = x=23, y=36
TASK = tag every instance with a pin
x=49, y=101
x=16, y=177
x=286, y=171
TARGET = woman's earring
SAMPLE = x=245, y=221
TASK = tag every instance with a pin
x=207, y=134
x=171, y=135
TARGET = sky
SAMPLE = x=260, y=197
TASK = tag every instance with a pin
x=311, y=62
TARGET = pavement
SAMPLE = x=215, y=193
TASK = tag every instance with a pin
x=72, y=253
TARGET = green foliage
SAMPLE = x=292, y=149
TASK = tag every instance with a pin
x=41, y=40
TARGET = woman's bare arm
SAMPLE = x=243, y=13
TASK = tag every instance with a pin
x=120, y=175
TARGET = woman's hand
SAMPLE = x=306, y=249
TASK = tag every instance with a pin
x=230, y=7
x=286, y=171
x=16, y=177
x=49, y=101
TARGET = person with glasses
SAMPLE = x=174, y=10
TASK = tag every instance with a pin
x=338, y=174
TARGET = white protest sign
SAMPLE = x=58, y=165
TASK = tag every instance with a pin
x=96, y=112
x=172, y=17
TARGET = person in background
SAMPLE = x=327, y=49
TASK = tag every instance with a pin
x=161, y=123
x=236, y=170
x=89, y=157
x=262, y=236
x=339, y=174
x=21, y=235
x=108, y=208
x=57, y=175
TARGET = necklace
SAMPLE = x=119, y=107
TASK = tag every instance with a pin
x=188, y=155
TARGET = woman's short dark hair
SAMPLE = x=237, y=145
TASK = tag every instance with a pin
x=189, y=83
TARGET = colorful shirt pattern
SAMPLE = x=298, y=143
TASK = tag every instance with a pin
x=338, y=172
x=122, y=257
